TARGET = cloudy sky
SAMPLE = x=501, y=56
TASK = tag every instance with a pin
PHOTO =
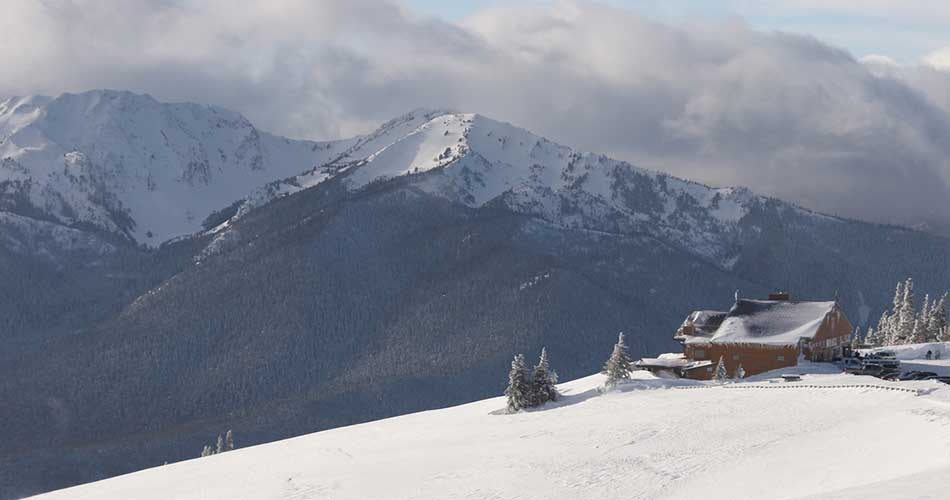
x=840, y=105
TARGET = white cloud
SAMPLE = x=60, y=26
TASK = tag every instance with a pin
x=722, y=103
x=939, y=59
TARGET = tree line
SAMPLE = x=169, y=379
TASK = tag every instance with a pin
x=905, y=324
x=225, y=443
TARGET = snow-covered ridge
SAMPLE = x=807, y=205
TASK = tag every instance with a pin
x=151, y=171
x=474, y=160
x=128, y=164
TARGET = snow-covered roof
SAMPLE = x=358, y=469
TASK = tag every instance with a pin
x=666, y=360
x=704, y=323
x=770, y=322
x=692, y=365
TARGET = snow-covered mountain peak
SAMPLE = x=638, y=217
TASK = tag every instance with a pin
x=151, y=171
x=128, y=164
x=476, y=160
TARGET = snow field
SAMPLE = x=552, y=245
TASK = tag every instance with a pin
x=639, y=442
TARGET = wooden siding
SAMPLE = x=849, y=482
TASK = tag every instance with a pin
x=827, y=344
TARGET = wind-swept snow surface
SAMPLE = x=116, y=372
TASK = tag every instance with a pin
x=829, y=436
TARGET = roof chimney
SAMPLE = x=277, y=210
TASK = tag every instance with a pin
x=780, y=296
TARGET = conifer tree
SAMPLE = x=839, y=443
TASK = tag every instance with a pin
x=721, y=375
x=519, y=389
x=889, y=325
x=924, y=319
x=937, y=323
x=617, y=367
x=220, y=446
x=883, y=333
x=855, y=338
x=908, y=314
x=206, y=451
x=919, y=333
x=229, y=440
x=543, y=381
x=898, y=301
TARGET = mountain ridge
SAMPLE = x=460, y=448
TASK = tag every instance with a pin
x=387, y=276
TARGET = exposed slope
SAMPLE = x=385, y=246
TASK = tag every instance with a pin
x=649, y=442
x=130, y=165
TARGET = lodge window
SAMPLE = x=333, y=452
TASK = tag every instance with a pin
x=779, y=358
x=699, y=353
x=735, y=357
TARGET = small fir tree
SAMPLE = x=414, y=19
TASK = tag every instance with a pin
x=921, y=328
x=855, y=338
x=206, y=451
x=884, y=330
x=937, y=323
x=908, y=314
x=618, y=366
x=543, y=381
x=220, y=446
x=519, y=388
x=872, y=338
x=721, y=374
x=916, y=333
x=229, y=441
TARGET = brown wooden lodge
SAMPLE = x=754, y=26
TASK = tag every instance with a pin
x=760, y=335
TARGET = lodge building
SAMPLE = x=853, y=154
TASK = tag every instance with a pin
x=761, y=335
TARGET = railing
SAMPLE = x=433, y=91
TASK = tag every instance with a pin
x=795, y=385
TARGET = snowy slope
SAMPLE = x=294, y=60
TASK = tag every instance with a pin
x=820, y=438
x=128, y=164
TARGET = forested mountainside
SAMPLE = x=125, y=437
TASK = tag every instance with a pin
x=399, y=273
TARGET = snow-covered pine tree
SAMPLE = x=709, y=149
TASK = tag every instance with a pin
x=229, y=440
x=856, y=338
x=617, y=367
x=721, y=374
x=922, y=327
x=888, y=326
x=543, y=381
x=898, y=299
x=873, y=337
x=908, y=314
x=220, y=446
x=740, y=373
x=883, y=332
x=937, y=323
x=519, y=388
x=919, y=333
x=206, y=451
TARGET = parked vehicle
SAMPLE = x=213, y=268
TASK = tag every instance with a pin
x=871, y=369
x=885, y=359
x=891, y=376
x=851, y=365
x=917, y=375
